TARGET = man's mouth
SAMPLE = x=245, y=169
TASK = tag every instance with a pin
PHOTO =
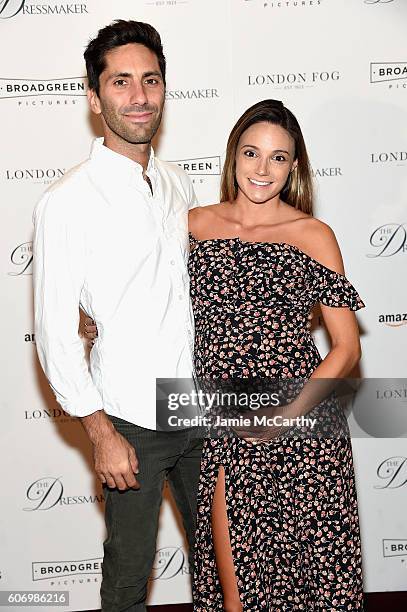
x=260, y=183
x=139, y=117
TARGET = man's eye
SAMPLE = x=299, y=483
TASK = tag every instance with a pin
x=152, y=82
x=120, y=82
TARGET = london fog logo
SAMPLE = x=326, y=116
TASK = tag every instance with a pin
x=392, y=473
x=398, y=158
x=37, y=176
x=46, y=570
x=162, y=3
x=12, y=8
x=170, y=561
x=388, y=240
x=293, y=80
x=389, y=72
x=47, y=493
x=22, y=258
x=47, y=414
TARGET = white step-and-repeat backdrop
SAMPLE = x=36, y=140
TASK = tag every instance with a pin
x=341, y=66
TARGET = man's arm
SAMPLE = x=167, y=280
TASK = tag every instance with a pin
x=59, y=274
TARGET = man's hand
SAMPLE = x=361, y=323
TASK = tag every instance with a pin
x=115, y=459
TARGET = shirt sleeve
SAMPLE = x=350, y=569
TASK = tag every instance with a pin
x=192, y=199
x=59, y=275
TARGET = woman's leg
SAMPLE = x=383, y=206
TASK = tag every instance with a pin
x=223, y=549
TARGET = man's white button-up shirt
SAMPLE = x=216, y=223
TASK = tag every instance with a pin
x=105, y=242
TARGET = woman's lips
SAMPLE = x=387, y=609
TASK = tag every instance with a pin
x=257, y=183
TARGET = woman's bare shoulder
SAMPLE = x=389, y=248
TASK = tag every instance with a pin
x=201, y=216
x=318, y=240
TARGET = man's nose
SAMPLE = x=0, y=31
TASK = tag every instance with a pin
x=137, y=94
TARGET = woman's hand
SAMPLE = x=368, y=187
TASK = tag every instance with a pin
x=265, y=423
x=90, y=330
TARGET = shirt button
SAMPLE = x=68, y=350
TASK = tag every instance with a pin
x=172, y=262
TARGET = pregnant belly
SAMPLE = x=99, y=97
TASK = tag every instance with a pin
x=224, y=350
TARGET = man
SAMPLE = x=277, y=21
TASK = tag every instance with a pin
x=127, y=270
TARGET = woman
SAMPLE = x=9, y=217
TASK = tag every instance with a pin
x=277, y=525
x=277, y=519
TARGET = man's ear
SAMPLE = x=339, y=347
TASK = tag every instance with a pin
x=94, y=101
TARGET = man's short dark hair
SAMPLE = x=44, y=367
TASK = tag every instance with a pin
x=119, y=33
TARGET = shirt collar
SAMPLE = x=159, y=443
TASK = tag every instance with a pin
x=110, y=161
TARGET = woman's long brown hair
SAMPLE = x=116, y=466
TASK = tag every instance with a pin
x=298, y=190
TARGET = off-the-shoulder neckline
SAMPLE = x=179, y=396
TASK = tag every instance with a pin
x=284, y=244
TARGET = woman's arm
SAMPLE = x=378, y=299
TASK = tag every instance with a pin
x=340, y=323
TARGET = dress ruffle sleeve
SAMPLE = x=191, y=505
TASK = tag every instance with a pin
x=334, y=289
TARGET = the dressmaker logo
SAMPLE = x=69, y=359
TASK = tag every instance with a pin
x=392, y=473
x=378, y=1
x=12, y=8
x=390, y=73
x=37, y=176
x=22, y=258
x=170, y=561
x=388, y=240
x=47, y=493
x=393, y=319
x=192, y=94
x=48, y=570
x=327, y=172
x=394, y=548
x=281, y=4
x=396, y=158
x=294, y=80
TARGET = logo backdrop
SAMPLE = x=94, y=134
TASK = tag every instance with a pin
x=342, y=68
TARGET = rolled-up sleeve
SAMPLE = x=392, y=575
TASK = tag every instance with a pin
x=59, y=274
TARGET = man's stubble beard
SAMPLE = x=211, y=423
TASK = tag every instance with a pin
x=139, y=134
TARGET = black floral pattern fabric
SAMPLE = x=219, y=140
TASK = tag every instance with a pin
x=291, y=501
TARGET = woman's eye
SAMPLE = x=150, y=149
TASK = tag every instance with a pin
x=250, y=154
x=279, y=158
